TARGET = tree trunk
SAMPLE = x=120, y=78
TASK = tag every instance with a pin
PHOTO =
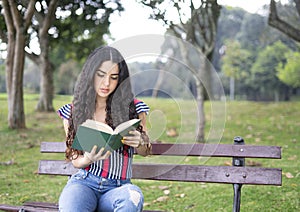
x=231, y=88
x=16, y=30
x=46, y=85
x=200, y=102
x=200, y=84
x=158, y=83
x=15, y=70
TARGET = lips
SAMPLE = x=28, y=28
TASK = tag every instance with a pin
x=104, y=90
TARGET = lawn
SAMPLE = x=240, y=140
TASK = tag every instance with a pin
x=258, y=123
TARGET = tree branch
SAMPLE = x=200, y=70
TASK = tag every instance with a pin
x=16, y=18
x=49, y=16
x=29, y=13
x=297, y=2
x=281, y=25
x=33, y=57
x=8, y=17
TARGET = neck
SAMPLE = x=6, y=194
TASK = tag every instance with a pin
x=100, y=110
x=100, y=104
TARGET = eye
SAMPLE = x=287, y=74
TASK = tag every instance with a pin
x=114, y=77
x=100, y=74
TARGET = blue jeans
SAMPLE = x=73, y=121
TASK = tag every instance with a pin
x=86, y=192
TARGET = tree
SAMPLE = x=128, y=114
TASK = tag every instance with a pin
x=44, y=16
x=57, y=31
x=282, y=25
x=52, y=23
x=17, y=23
x=198, y=26
x=252, y=28
x=264, y=73
x=235, y=63
x=289, y=73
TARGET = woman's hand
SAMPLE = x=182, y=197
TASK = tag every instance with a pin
x=82, y=161
x=134, y=139
x=93, y=156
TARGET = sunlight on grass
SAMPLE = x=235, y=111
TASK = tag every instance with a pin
x=258, y=123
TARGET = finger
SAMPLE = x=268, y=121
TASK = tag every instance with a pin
x=135, y=132
x=133, y=143
x=107, y=154
x=93, y=151
x=100, y=152
x=131, y=138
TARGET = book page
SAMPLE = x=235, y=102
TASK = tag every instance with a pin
x=98, y=126
x=127, y=126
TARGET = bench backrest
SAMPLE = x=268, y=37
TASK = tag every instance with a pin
x=188, y=173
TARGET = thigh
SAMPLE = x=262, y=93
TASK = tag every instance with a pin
x=127, y=197
x=77, y=197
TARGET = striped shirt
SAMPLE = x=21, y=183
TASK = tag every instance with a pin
x=118, y=165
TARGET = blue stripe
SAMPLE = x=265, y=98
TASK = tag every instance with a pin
x=65, y=111
x=142, y=107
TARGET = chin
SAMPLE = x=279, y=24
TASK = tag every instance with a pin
x=103, y=95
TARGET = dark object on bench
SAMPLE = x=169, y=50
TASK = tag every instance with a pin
x=237, y=174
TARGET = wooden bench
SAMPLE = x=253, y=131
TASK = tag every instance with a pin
x=237, y=174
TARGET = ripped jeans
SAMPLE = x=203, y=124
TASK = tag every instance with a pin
x=86, y=192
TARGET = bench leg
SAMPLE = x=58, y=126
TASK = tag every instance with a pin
x=237, y=197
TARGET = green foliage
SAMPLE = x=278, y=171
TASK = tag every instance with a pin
x=236, y=60
x=81, y=26
x=254, y=35
x=289, y=73
x=259, y=124
x=252, y=28
x=264, y=78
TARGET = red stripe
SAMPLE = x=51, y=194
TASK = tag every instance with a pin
x=125, y=163
x=105, y=168
x=135, y=101
x=87, y=168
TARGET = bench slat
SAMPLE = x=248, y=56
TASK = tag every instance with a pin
x=210, y=150
x=9, y=207
x=46, y=206
x=187, y=173
x=40, y=207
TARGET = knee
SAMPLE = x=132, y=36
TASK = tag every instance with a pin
x=136, y=197
x=134, y=200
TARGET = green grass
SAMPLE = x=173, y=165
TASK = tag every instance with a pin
x=258, y=123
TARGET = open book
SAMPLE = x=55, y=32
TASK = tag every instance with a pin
x=92, y=133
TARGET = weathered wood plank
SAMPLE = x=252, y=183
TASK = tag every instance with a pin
x=56, y=167
x=209, y=150
x=52, y=147
x=41, y=205
x=210, y=174
x=46, y=206
x=218, y=150
x=5, y=207
x=187, y=173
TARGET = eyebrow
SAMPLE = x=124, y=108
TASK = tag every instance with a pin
x=103, y=72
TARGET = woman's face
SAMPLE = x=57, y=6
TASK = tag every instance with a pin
x=106, y=79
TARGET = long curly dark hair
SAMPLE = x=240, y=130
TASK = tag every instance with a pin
x=119, y=104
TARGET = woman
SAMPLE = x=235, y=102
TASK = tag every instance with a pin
x=103, y=93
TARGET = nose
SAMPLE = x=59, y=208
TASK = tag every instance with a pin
x=106, y=81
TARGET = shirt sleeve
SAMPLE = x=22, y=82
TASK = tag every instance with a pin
x=141, y=107
x=65, y=111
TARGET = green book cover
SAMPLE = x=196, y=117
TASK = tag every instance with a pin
x=92, y=133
